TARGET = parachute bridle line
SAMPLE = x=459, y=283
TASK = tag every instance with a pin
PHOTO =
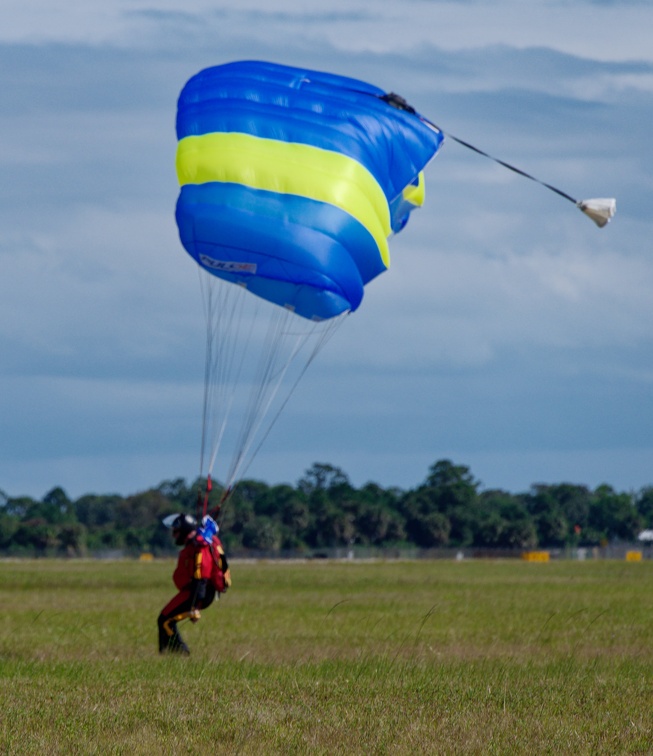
x=599, y=210
x=500, y=162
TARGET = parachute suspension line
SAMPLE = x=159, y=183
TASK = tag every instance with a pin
x=234, y=330
x=224, y=326
x=207, y=302
x=272, y=368
x=319, y=333
x=262, y=388
x=265, y=364
x=203, y=499
x=328, y=330
x=207, y=291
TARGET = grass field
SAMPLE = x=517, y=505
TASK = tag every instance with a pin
x=331, y=658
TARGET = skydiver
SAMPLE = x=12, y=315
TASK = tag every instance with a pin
x=201, y=571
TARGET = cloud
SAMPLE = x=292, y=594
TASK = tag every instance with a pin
x=588, y=28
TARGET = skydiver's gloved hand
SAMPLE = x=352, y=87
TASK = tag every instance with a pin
x=195, y=615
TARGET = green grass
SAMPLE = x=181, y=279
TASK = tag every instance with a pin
x=346, y=658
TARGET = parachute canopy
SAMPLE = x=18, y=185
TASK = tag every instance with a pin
x=292, y=181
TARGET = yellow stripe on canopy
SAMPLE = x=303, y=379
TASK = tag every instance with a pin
x=416, y=194
x=288, y=168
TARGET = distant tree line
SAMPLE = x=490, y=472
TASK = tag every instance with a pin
x=324, y=510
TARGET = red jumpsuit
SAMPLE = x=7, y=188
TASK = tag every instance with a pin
x=201, y=571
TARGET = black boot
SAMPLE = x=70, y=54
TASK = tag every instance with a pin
x=173, y=643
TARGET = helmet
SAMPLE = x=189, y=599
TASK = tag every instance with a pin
x=182, y=525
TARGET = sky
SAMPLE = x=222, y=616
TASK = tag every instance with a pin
x=510, y=334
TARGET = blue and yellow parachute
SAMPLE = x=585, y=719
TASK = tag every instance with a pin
x=292, y=181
